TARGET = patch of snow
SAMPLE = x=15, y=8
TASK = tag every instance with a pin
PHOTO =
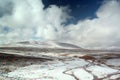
x=81, y=74
x=115, y=76
x=115, y=62
x=101, y=71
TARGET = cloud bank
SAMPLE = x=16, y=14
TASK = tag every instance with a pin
x=100, y=32
x=28, y=20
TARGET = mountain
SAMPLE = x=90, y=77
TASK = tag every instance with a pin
x=47, y=44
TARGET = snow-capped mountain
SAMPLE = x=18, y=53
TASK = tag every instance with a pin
x=45, y=44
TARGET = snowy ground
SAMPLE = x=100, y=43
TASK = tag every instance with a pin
x=67, y=69
x=76, y=69
x=58, y=64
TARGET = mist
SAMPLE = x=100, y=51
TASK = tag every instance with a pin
x=28, y=20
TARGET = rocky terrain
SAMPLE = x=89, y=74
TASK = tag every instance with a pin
x=57, y=61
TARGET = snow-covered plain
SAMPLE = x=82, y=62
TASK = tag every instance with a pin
x=73, y=69
x=56, y=61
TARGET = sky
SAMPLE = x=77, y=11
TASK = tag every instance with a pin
x=91, y=23
x=80, y=9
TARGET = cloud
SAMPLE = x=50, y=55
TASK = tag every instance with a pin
x=27, y=19
x=3, y=9
x=100, y=32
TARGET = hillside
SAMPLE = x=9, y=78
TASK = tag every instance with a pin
x=57, y=61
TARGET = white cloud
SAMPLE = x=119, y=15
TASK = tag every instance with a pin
x=102, y=31
x=29, y=19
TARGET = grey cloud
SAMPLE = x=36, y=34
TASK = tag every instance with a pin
x=5, y=7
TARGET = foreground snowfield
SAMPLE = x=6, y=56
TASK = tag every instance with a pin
x=74, y=69
x=67, y=69
x=62, y=61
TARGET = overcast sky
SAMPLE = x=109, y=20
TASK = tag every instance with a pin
x=92, y=23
